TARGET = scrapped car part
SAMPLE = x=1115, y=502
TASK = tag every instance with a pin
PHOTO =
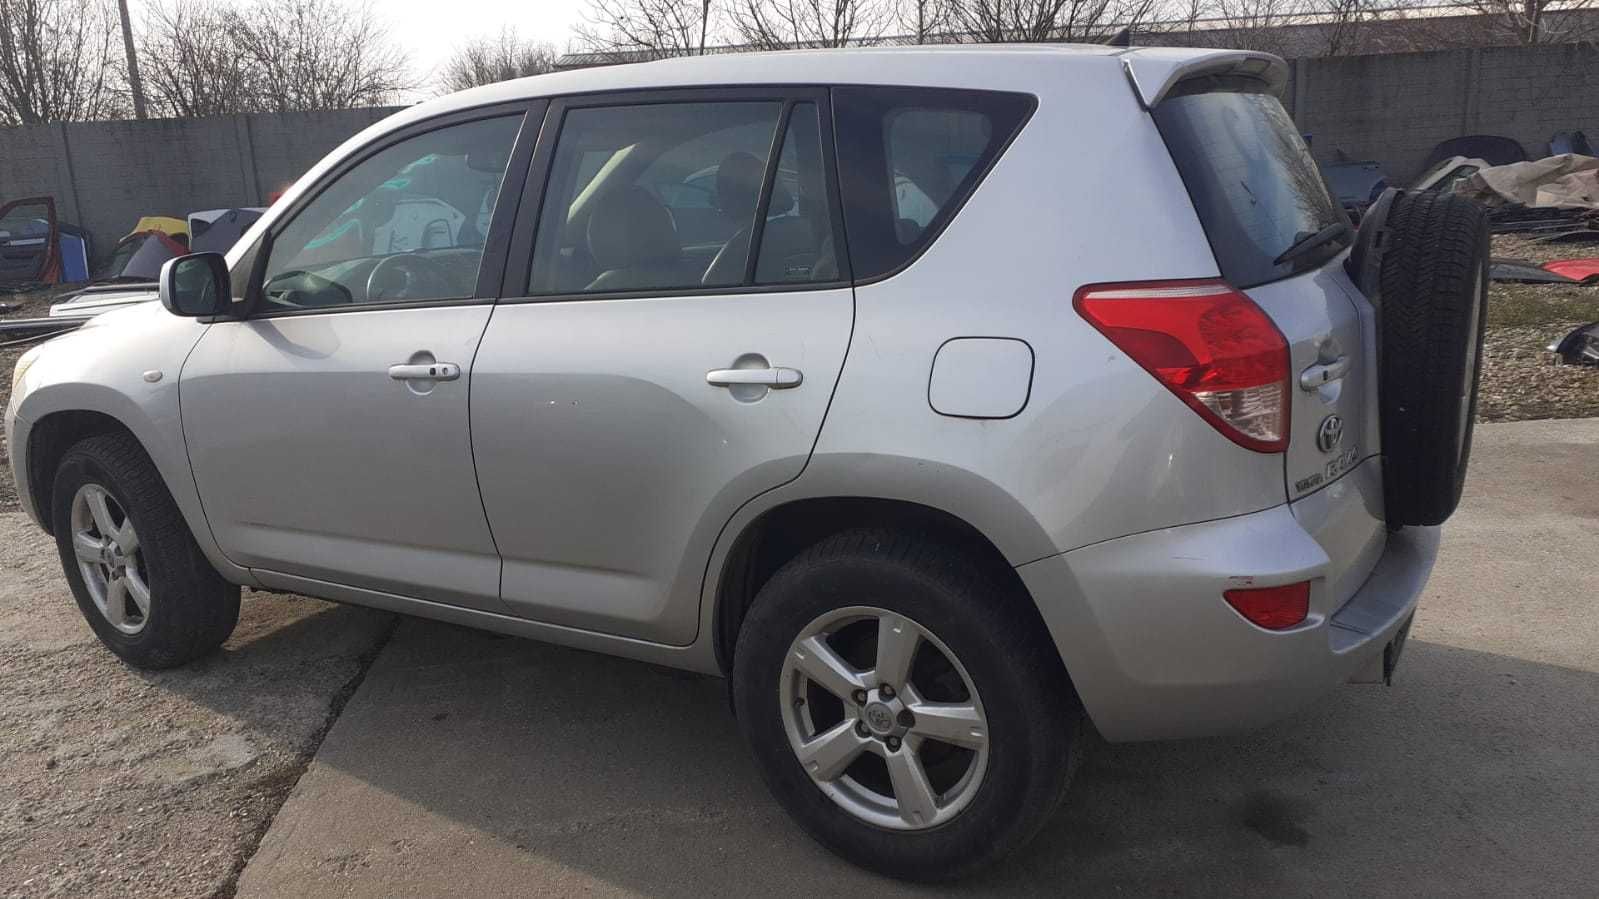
x=1491, y=148
x=1526, y=220
x=30, y=242
x=14, y=328
x=1574, y=236
x=101, y=298
x=1580, y=347
x=1435, y=296
x=1444, y=174
x=217, y=230
x=1585, y=271
x=175, y=228
x=1558, y=182
x=1356, y=185
x=1570, y=142
x=139, y=256
x=1520, y=271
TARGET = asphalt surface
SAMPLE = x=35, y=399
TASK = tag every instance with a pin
x=468, y=764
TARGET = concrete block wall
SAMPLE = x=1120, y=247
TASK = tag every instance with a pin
x=1394, y=108
x=105, y=175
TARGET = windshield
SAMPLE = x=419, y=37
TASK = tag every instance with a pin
x=1252, y=180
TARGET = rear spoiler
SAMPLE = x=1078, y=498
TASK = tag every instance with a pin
x=1154, y=71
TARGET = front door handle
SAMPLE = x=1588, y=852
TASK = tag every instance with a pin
x=425, y=371
x=1323, y=373
x=775, y=378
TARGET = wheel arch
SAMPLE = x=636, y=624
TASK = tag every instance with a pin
x=777, y=534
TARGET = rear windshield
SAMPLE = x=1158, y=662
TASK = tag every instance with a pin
x=1253, y=182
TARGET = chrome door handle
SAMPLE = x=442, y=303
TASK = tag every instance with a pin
x=1323, y=373
x=425, y=371
x=775, y=378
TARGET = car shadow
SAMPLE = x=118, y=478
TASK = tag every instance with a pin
x=494, y=758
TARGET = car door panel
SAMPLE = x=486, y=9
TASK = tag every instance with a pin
x=311, y=460
x=605, y=456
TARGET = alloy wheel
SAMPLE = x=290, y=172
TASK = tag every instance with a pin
x=110, y=559
x=884, y=718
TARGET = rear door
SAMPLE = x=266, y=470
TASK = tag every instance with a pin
x=1263, y=203
x=673, y=322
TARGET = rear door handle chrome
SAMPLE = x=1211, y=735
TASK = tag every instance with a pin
x=775, y=378
x=425, y=371
x=1323, y=373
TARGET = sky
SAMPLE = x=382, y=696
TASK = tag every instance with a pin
x=429, y=31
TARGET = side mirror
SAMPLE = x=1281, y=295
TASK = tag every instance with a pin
x=195, y=285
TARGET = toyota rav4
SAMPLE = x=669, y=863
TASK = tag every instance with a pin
x=947, y=401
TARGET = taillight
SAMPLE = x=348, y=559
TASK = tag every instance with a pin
x=1273, y=608
x=1209, y=344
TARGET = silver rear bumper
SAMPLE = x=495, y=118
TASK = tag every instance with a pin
x=1155, y=652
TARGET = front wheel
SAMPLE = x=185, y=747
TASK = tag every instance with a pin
x=140, y=580
x=904, y=707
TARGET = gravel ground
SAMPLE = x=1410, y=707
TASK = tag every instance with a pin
x=118, y=782
x=1520, y=379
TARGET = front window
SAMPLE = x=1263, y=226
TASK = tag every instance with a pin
x=407, y=224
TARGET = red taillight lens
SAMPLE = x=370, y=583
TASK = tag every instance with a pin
x=1209, y=344
x=1273, y=608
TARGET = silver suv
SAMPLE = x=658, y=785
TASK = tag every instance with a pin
x=945, y=400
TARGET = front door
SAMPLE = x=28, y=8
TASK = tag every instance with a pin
x=328, y=432
x=683, y=323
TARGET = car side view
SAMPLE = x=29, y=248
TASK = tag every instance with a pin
x=948, y=401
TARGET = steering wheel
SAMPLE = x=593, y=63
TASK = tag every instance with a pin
x=405, y=276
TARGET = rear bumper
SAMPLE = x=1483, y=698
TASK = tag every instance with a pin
x=1156, y=653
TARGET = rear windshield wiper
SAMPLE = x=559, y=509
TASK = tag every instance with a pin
x=1307, y=242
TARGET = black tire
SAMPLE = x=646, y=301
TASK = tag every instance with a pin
x=1434, y=283
x=1034, y=719
x=192, y=609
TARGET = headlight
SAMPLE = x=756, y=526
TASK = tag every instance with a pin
x=21, y=369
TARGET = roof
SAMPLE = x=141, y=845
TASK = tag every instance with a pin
x=1016, y=67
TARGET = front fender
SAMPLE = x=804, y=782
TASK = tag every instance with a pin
x=124, y=365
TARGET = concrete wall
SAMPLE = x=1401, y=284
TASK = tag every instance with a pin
x=105, y=175
x=1392, y=108
x=1395, y=108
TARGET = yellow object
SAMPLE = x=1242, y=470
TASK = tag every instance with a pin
x=166, y=224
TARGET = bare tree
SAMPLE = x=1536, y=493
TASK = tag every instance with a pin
x=500, y=58
x=319, y=54
x=776, y=24
x=647, y=29
x=192, y=62
x=1256, y=24
x=995, y=21
x=925, y=20
x=1535, y=21
x=57, y=61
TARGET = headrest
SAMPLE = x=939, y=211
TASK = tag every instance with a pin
x=630, y=227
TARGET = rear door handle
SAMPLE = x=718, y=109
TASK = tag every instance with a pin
x=1323, y=373
x=775, y=378
x=425, y=371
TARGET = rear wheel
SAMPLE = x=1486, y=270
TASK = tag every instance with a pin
x=904, y=707
x=141, y=581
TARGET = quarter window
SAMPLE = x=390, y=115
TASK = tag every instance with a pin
x=908, y=158
x=407, y=224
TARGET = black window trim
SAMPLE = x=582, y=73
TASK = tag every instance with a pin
x=957, y=201
x=491, y=266
x=519, y=265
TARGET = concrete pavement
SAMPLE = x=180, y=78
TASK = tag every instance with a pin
x=469, y=764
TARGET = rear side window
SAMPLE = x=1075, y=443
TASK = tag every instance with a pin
x=1252, y=180
x=908, y=158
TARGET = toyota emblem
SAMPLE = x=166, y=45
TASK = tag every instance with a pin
x=1330, y=434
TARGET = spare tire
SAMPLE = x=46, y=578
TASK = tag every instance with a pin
x=1434, y=297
